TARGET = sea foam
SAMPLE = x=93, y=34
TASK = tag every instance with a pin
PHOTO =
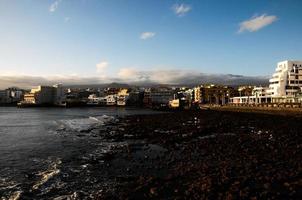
x=85, y=124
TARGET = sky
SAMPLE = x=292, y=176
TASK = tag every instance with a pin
x=158, y=40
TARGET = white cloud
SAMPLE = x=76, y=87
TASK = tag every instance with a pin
x=256, y=23
x=159, y=76
x=53, y=7
x=181, y=9
x=178, y=76
x=101, y=67
x=66, y=19
x=127, y=73
x=29, y=81
x=147, y=35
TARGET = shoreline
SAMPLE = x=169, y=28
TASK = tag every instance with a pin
x=206, y=154
x=231, y=108
x=263, y=110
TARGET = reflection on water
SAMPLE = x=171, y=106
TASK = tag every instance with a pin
x=55, y=153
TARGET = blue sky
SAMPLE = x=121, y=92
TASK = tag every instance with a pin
x=133, y=38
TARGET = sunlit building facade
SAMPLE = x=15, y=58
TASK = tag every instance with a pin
x=45, y=95
x=287, y=79
x=285, y=86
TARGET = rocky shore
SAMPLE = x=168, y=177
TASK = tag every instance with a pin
x=206, y=155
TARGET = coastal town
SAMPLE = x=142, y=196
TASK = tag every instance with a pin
x=284, y=89
x=192, y=154
x=150, y=99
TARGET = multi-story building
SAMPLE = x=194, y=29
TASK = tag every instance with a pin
x=215, y=94
x=40, y=95
x=10, y=95
x=122, y=97
x=135, y=97
x=186, y=97
x=245, y=90
x=284, y=86
x=287, y=79
x=160, y=97
x=45, y=95
x=196, y=95
x=59, y=94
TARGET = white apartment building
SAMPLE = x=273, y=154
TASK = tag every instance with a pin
x=285, y=86
x=287, y=79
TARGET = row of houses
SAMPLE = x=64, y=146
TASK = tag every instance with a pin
x=187, y=98
x=284, y=87
x=157, y=97
x=119, y=99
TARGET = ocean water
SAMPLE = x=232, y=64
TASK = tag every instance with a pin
x=56, y=153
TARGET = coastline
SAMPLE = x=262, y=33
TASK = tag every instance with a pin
x=263, y=110
x=202, y=154
x=206, y=154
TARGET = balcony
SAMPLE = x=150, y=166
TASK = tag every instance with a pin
x=273, y=80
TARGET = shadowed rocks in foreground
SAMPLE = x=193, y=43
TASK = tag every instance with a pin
x=208, y=155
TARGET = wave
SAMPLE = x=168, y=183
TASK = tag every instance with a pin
x=85, y=124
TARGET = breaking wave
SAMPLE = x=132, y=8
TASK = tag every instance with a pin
x=85, y=124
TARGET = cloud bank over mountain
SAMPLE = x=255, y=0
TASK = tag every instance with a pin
x=187, y=77
x=132, y=76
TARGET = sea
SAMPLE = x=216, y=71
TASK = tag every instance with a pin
x=56, y=153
